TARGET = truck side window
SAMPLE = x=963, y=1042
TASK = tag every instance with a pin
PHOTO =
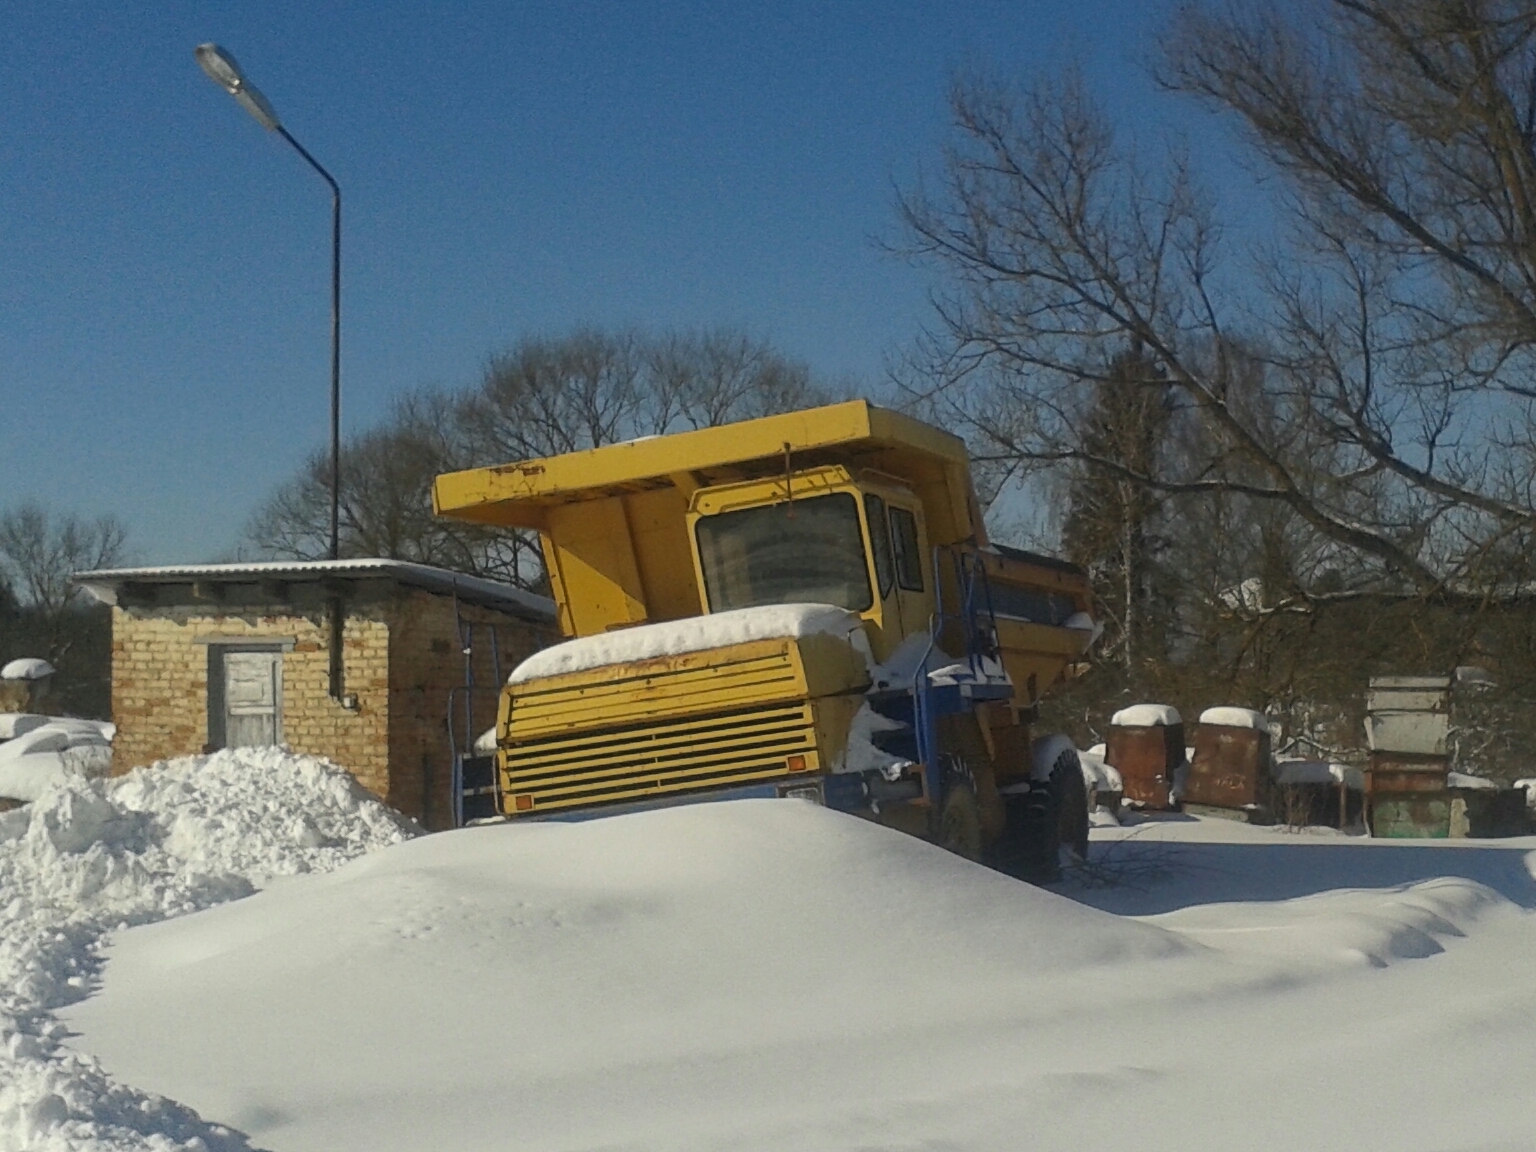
x=879, y=542
x=909, y=557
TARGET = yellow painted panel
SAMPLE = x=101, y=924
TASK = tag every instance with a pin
x=599, y=580
x=658, y=522
x=666, y=756
x=932, y=460
x=675, y=686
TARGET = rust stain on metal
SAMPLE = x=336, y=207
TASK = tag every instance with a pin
x=1145, y=759
x=1398, y=773
x=1230, y=767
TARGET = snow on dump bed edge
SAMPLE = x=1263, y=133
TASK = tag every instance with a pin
x=91, y=856
x=694, y=634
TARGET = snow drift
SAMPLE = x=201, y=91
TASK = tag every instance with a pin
x=753, y=975
x=91, y=856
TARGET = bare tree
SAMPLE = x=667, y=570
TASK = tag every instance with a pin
x=386, y=501
x=1329, y=377
x=542, y=397
x=41, y=551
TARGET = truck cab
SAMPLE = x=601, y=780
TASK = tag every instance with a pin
x=798, y=605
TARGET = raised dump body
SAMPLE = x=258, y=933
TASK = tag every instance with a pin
x=801, y=604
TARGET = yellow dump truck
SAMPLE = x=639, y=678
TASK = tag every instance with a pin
x=799, y=605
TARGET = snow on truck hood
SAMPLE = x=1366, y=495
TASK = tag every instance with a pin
x=694, y=634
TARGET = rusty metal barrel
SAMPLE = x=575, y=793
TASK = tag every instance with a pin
x=1231, y=765
x=1146, y=746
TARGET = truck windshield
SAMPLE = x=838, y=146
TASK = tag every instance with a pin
x=802, y=551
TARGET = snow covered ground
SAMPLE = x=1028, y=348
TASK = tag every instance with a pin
x=755, y=975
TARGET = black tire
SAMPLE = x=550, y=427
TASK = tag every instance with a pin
x=960, y=820
x=1071, y=799
x=1050, y=815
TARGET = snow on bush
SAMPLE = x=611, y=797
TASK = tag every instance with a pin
x=90, y=856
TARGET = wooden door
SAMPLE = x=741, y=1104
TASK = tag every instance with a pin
x=252, y=698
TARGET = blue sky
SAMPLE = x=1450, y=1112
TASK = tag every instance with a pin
x=506, y=169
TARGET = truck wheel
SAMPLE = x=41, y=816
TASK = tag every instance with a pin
x=1049, y=815
x=1070, y=793
x=960, y=821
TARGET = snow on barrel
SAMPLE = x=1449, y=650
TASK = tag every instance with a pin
x=1231, y=764
x=1146, y=746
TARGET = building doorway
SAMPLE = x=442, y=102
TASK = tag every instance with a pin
x=245, y=707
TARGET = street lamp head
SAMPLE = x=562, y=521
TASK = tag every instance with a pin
x=223, y=70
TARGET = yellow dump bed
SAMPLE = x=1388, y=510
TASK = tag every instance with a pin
x=613, y=520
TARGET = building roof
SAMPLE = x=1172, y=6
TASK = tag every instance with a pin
x=106, y=583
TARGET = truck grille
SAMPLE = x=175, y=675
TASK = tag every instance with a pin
x=673, y=756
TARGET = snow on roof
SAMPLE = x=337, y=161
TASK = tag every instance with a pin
x=1463, y=780
x=1235, y=718
x=1146, y=716
x=26, y=668
x=104, y=583
x=694, y=634
x=1290, y=772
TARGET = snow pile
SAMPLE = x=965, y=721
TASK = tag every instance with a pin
x=982, y=670
x=1360, y=926
x=1146, y=716
x=1082, y=622
x=13, y=724
x=768, y=975
x=623, y=981
x=91, y=856
x=1102, y=778
x=897, y=671
x=862, y=753
x=1235, y=718
x=52, y=751
x=26, y=668
x=693, y=634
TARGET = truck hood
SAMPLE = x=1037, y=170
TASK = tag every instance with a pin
x=694, y=634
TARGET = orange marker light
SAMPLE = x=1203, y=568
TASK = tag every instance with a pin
x=795, y=763
x=523, y=802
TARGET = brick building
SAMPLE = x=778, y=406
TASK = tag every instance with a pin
x=217, y=655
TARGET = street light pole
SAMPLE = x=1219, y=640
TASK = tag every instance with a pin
x=225, y=72
x=335, y=553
